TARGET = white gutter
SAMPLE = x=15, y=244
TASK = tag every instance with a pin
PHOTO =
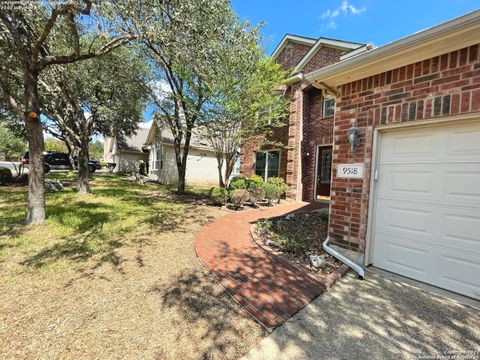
x=360, y=271
x=396, y=46
x=293, y=79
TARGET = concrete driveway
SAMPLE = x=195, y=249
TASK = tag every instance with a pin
x=377, y=318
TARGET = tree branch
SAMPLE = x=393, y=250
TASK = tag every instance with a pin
x=10, y=100
x=66, y=59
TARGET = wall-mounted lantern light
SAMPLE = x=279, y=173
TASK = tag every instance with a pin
x=354, y=139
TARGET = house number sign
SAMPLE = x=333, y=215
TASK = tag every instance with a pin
x=350, y=171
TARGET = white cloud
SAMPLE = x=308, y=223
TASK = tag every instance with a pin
x=331, y=25
x=160, y=88
x=345, y=8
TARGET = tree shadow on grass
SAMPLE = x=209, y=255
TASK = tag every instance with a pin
x=213, y=323
x=77, y=248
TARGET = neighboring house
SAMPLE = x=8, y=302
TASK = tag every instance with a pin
x=202, y=167
x=126, y=153
x=415, y=208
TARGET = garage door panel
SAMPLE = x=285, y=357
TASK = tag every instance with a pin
x=397, y=254
x=444, y=184
x=432, y=144
x=400, y=148
x=462, y=185
x=405, y=219
x=460, y=230
x=457, y=271
x=401, y=182
x=427, y=206
x=463, y=141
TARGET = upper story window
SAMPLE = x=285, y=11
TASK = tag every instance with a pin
x=328, y=107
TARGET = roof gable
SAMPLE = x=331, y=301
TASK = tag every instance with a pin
x=346, y=46
x=292, y=38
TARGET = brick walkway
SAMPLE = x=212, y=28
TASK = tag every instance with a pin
x=269, y=289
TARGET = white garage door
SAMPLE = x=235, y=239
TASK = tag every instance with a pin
x=427, y=213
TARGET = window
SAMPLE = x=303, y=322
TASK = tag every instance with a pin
x=326, y=166
x=156, y=157
x=328, y=107
x=267, y=164
x=236, y=168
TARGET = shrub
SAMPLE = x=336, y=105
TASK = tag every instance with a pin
x=279, y=182
x=238, y=182
x=218, y=196
x=257, y=194
x=238, y=197
x=5, y=176
x=142, y=168
x=255, y=181
x=274, y=189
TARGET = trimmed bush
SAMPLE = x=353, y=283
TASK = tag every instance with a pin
x=238, y=197
x=255, y=181
x=274, y=189
x=238, y=182
x=5, y=176
x=257, y=194
x=218, y=196
x=278, y=182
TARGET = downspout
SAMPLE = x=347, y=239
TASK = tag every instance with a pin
x=360, y=271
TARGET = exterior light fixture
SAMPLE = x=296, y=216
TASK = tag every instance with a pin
x=354, y=139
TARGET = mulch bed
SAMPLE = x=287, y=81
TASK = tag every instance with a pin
x=310, y=228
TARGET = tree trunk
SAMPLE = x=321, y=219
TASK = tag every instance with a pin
x=229, y=164
x=36, y=147
x=83, y=185
x=70, y=154
x=221, y=183
x=182, y=160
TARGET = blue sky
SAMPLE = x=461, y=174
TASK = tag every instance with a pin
x=377, y=21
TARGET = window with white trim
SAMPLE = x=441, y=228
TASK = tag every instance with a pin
x=156, y=156
x=267, y=164
x=328, y=107
x=236, y=168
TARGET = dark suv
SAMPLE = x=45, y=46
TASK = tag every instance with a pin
x=60, y=161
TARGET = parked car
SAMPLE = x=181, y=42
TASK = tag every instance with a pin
x=60, y=161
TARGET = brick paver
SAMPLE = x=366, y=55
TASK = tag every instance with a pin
x=267, y=288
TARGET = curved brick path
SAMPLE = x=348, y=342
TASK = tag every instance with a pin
x=267, y=288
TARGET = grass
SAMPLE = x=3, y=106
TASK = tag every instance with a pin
x=113, y=274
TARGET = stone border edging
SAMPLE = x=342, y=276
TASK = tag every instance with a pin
x=327, y=282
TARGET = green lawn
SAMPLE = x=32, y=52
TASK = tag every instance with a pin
x=113, y=274
x=78, y=228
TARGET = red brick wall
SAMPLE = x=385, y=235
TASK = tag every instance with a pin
x=317, y=131
x=325, y=56
x=444, y=85
x=291, y=54
x=305, y=119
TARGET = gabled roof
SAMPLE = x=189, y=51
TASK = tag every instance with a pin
x=338, y=44
x=133, y=143
x=452, y=35
x=292, y=38
x=315, y=44
x=197, y=141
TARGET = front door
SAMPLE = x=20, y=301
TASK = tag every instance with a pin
x=324, y=172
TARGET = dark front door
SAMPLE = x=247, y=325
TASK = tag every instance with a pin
x=324, y=172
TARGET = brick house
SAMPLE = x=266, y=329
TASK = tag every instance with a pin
x=416, y=106
x=303, y=147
